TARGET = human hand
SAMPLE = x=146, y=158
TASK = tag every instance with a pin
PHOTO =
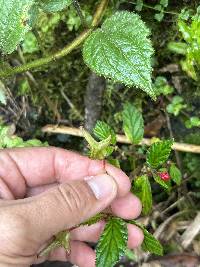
x=46, y=190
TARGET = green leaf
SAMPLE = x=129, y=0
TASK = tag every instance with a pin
x=33, y=14
x=185, y=14
x=158, y=7
x=192, y=122
x=139, y=5
x=159, y=16
x=9, y=140
x=178, y=47
x=30, y=44
x=14, y=18
x=175, y=174
x=114, y=162
x=162, y=87
x=130, y=254
x=158, y=180
x=158, y=153
x=54, y=5
x=176, y=105
x=102, y=130
x=151, y=244
x=142, y=189
x=13, y=141
x=121, y=51
x=34, y=143
x=133, y=124
x=164, y=3
x=112, y=243
x=190, y=29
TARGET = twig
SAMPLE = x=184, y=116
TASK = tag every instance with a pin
x=163, y=225
x=191, y=232
x=80, y=13
x=120, y=138
x=173, y=205
x=98, y=15
x=59, y=54
x=71, y=105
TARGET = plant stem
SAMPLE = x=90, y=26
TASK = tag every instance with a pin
x=59, y=54
x=99, y=12
x=151, y=7
x=80, y=13
x=45, y=60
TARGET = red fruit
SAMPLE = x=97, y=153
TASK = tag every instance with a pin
x=164, y=176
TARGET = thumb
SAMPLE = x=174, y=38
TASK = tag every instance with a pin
x=68, y=204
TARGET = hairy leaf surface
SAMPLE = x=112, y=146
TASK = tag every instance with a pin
x=133, y=123
x=175, y=174
x=14, y=23
x=142, y=188
x=151, y=244
x=102, y=130
x=158, y=153
x=121, y=51
x=112, y=243
x=54, y=5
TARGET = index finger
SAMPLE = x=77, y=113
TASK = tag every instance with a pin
x=30, y=167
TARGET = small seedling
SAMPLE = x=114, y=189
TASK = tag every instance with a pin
x=112, y=244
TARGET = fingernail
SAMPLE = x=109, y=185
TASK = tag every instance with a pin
x=102, y=185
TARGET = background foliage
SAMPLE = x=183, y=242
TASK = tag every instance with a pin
x=55, y=94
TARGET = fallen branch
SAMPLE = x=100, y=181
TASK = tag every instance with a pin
x=191, y=232
x=120, y=138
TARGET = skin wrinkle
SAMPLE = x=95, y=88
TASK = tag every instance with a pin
x=30, y=192
x=10, y=260
x=74, y=201
x=14, y=166
x=5, y=192
x=67, y=202
x=77, y=199
x=14, y=256
x=17, y=167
